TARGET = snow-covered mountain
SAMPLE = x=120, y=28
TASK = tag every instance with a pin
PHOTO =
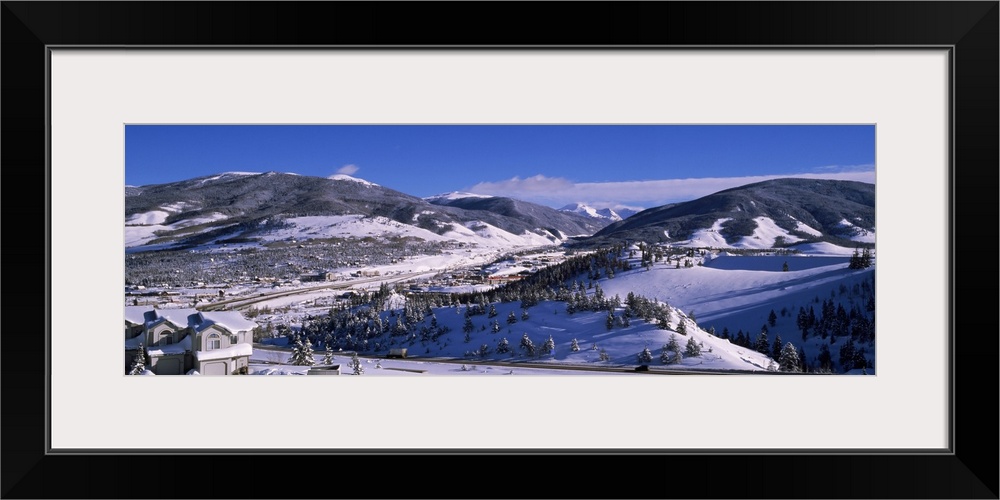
x=444, y=198
x=582, y=209
x=767, y=214
x=263, y=207
x=625, y=213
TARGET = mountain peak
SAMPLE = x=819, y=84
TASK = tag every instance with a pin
x=345, y=177
x=584, y=209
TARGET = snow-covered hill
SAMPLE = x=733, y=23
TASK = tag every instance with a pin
x=755, y=215
x=254, y=209
x=620, y=345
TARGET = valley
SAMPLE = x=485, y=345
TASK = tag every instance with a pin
x=501, y=286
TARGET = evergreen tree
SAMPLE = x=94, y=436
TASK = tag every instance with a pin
x=524, y=315
x=356, y=365
x=825, y=359
x=776, y=347
x=761, y=345
x=860, y=360
x=855, y=262
x=328, y=355
x=672, y=344
x=511, y=319
x=662, y=323
x=863, y=261
x=681, y=328
x=802, y=321
x=493, y=311
x=692, y=349
x=484, y=350
x=468, y=327
x=772, y=318
x=307, y=354
x=138, y=361
x=297, y=357
x=549, y=346
x=503, y=346
x=646, y=356
x=847, y=352
x=784, y=267
x=495, y=328
x=740, y=339
x=667, y=354
x=604, y=355
x=527, y=345
x=610, y=321
x=788, y=359
x=574, y=346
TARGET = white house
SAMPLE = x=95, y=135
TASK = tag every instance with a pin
x=176, y=341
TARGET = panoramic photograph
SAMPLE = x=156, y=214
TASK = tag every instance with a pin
x=514, y=250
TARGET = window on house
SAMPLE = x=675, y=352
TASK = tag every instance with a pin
x=214, y=342
x=166, y=339
x=235, y=340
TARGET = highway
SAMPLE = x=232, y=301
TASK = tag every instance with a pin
x=241, y=302
x=653, y=370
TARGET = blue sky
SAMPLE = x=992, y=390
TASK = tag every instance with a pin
x=601, y=165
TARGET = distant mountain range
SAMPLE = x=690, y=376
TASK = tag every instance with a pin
x=262, y=207
x=599, y=213
x=256, y=206
x=761, y=215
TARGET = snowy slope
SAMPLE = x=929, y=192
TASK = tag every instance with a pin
x=622, y=344
x=764, y=235
x=710, y=237
x=856, y=233
x=141, y=228
x=356, y=226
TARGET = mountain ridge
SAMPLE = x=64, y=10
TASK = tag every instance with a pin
x=204, y=209
x=805, y=209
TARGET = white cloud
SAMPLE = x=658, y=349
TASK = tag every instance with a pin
x=558, y=191
x=349, y=169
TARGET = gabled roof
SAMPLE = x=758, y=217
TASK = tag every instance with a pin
x=184, y=317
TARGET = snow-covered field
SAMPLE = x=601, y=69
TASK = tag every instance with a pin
x=266, y=362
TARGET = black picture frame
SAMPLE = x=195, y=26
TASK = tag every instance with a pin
x=970, y=29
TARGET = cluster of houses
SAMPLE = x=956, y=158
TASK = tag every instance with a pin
x=180, y=341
